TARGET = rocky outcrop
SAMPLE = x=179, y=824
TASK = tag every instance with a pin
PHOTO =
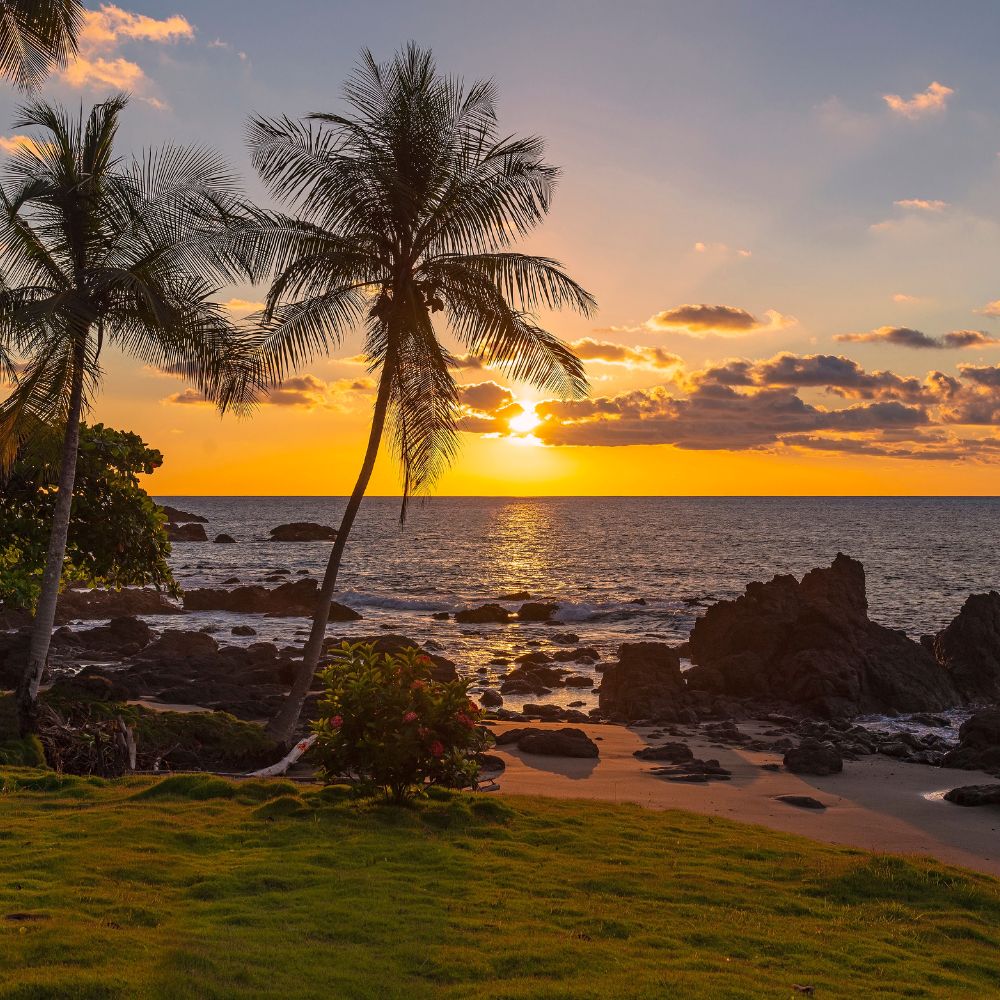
x=645, y=683
x=978, y=744
x=810, y=644
x=551, y=742
x=293, y=599
x=969, y=648
x=485, y=614
x=92, y=604
x=186, y=533
x=120, y=638
x=224, y=539
x=177, y=516
x=303, y=531
x=974, y=795
x=537, y=611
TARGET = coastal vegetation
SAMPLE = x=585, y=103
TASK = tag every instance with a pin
x=36, y=36
x=194, y=886
x=115, y=537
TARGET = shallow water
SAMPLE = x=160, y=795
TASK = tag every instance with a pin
x=594, y=556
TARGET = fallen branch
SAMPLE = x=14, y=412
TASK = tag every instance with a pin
x=286, y=762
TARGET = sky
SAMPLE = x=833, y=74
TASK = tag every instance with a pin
x=787, y=212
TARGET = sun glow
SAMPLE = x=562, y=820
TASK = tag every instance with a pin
x=526, y=422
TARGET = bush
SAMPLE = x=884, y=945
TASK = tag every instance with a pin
x=388, y=725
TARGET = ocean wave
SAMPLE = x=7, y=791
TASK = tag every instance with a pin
x=359, y=599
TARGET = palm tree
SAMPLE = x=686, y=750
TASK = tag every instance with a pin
x=95, y=250
x=405, y=209
x=36, y=35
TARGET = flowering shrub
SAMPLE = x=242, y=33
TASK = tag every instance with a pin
x=387, y=724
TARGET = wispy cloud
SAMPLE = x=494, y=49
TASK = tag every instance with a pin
x=922, y=204
x=931, y=101
x=904, y=336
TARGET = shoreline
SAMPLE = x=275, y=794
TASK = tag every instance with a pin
x=876, y=803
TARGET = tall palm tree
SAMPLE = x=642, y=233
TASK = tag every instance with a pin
x=404, y=210
x=36, y=35
x=95, y=251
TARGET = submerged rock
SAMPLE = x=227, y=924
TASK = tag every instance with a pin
x=810, y=643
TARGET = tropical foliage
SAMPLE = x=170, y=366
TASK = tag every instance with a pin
x=116, y=535
x=36, y=35
x=389, y=726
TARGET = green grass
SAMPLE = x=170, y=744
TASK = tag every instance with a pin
x=198, y=887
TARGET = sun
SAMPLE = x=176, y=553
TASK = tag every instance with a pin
x=526, y=422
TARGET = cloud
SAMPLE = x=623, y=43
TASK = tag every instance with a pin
x=922, y=204
x=98, y=64
x=720, y=320
x=903, y=336
x=11, y=144
x=903, y=299
x=307, y=392
x=720, y=249
x=605, y=353
x=188, y=397
x=485, y=397
x=991, y=309
x=933, y=100
x=242, y=308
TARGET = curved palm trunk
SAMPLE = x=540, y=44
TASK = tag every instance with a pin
x=45, y=614
x=282, y=726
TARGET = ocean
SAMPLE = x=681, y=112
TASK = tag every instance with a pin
x=595, y=557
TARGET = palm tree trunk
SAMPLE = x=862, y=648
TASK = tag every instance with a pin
x=45, y=614
x=282, y=726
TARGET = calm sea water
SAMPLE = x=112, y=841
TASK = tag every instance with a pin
x=595, y=556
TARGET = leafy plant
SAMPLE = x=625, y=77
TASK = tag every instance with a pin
x=116, y=533
x=388, y=725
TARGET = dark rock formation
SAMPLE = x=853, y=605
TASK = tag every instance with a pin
x=813, y=757
x=978, y=744
x=645, y=683
x=186, y=533
x=802, y=801
x=537, y=611
x=558, y=743
x=120, y=638
x=969, y=648
x=244, y=630
x=303, y=531
x=812, y=645
x=293, y=599
x=672, y=753
x=225, y=539
x=176, y=516
x=490, y=699
x=694, y=772
x=483, y=615
x=75, y=604
x=975, y=795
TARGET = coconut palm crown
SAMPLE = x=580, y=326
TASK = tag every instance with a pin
x=402, y=217
x=36, y=35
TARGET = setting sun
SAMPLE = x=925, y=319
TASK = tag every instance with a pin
x=526, y=422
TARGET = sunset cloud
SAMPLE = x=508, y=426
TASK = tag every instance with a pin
x=931, y=101
x=606, y=353
x=902, y=336
x=307, y=392
x=720, y=249
x=991, y=309
x=98, y=63
x=719, y=320
x=922, y=204
x=11, y=144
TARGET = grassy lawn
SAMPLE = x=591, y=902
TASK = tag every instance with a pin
x=195, y=887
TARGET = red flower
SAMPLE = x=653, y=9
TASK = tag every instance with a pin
x=410, y=717
x=337, y=721
x=464, y=720
x=471, y=706
x=437, y=748
x=417, y=685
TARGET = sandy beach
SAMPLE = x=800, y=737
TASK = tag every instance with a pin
x=877, y=803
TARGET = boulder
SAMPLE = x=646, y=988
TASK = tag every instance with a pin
x=485, y=614
x=558, y=743
x=969, y=648
x=244, y=630
x=177, y=516
x=673, y=753
x=297, y=598
x=974, y=795
x=186, y=532
x=810, y=644
x=174, y=644
x=802, y=801
x=978, y=744
x=121, y=637
x=303, y=531
x=537, y=611
x=224, y=539
x=342, y=613
x=813, y=757
x=645, y=683
x=490, y=699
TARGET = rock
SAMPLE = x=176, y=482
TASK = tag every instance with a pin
x=177, y=516
x=547, y=713
x=813, y=757
x=490, y=763
x=978, y=744
x=926, y=719
x=810, y=644
x=565, y=638
x=224, y=539
x=243, y=630
x=77, y=604
x=230, y=581
x=695, y=770
x=122, y=636
x=558, y=743
x=802, y=801
x=578, y=681
x=645, y=683
x=174, y=644
x=293, y=599
x=303, y=531
x=490, y=699
x=974, y=795
x=535, y=657
x=969, y=648
x=537, y=611
x=518, y=595
x=440, y=616
x=186, y=532
x=342, y=613
x=673, y=753
x=483, y=615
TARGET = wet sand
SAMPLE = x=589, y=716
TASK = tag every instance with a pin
x=876, y=803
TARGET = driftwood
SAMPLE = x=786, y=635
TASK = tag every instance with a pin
x=286, y=762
